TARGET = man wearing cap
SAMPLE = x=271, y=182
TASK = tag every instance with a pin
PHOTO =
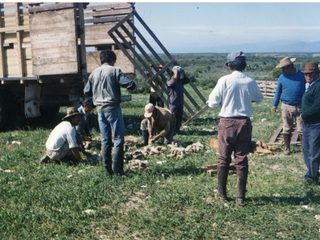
x=290, y=88
x=104, y=86
x=310, y=114
x=160, y=119
x=154, y=97
x=62, y=142
x=83, y=127
x=234, y=93
x=175, y=94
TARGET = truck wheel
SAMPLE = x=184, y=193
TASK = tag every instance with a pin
x=3, y=111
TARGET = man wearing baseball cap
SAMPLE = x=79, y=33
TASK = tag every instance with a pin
x=62, y=142
x=310, y=114
x=158, y=118
x=234, y=93
x=290, y=88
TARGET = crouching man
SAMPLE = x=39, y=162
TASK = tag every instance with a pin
x=62, y=142
x=158, y=118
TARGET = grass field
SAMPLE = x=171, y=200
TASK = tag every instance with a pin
x=174, y=200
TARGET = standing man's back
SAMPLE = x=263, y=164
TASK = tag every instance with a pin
x=104, y=86
x=235, y=93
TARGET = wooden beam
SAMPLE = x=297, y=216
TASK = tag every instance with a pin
x=110, y=12
x=112, y=6
x=51, y=7
x=19, y=44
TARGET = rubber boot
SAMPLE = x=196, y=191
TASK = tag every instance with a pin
x=118, y=161
x=222, y=184
x=300, y=138
x=242, y=175
x=145, y=137
x=106, y=158
x=286, y=138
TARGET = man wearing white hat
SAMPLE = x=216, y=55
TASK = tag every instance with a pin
x=290, y=89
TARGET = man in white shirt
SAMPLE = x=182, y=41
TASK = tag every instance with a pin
x=62, y=141
x=234, y=93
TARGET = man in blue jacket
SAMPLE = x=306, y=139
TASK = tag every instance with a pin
x=104, y=86
x=290, y=89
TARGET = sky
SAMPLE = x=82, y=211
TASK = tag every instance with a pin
x=215, y=26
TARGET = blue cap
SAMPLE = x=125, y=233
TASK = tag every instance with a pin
x=235, y=55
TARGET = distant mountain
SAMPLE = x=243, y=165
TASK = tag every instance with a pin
x=276, y=46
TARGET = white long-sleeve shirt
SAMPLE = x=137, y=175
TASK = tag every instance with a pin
x=234, y=93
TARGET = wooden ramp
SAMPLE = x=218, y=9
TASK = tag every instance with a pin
x=277, y=138
x=193, y=105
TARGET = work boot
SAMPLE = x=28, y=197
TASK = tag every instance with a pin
x=286, y=138
x=222, y=184
x=44, y=159
x=242, y=175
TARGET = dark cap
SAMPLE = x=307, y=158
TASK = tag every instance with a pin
x=235, y=56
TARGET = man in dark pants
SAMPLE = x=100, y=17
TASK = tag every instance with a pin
x=310, y=114
x=104, y=86
x=234, y=93
x=175, y=93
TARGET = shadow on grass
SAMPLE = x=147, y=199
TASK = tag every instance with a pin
x=312, y=196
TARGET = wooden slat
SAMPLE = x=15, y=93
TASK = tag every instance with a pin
x=51, y=7
x=19, y=44
x=110, y=12
x=106, y=6
x=14, y=29
x=275, y=135
x=104, y=20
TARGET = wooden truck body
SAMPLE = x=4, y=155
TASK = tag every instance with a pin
x=47, y=51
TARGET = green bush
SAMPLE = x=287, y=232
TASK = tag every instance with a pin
x=276, y=72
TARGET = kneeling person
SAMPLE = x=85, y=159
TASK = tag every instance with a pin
x=158, y=118
x=62, y=141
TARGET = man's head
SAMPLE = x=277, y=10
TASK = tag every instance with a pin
x=108, y=56
x=311, y=72
x=286, y=64
x=88, y=105
x=236, y=61
x=149, y=110
x=179, y=70
x=73, y=116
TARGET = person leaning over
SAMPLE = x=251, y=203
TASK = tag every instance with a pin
x=290, y=88
x=175, y=94
x=104, y=86
x=62, y=142
x=160, y=119
x=83, y=127
x=234, y=93
x=310, y=115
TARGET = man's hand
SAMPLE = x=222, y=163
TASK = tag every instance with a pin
x=87, y=138
x=273, y=109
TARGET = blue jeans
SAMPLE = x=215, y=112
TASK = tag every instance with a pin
x=112, y=121
x=311, y=149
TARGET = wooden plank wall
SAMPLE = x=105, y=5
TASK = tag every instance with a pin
x=267, y=87
x=99, y=19
x=15, y=47
x=54, y=42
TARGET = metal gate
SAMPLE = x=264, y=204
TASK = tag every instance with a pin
x=195, y=104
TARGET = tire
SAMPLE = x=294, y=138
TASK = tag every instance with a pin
x=3, y=111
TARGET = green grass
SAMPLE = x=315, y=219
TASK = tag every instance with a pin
x=174, y=200
x=170, y=201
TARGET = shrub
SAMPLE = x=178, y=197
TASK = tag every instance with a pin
x=276, y=72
